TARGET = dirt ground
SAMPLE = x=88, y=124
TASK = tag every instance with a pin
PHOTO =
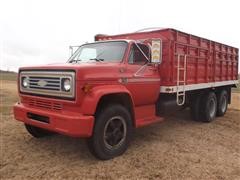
x=177, y=148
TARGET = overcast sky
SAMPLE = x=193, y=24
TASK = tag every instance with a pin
x=40, y=32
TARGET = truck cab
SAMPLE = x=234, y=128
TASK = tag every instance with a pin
x=105, y=89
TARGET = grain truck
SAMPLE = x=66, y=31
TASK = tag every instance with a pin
x=121, y=82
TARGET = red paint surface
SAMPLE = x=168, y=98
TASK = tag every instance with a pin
x=68, y=123
x=207, y=61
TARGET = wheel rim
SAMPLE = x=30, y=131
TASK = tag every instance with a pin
x=224, y=104
x=212, y=108
x=115, y=132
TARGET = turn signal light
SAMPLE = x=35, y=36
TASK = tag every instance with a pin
x=87, y=88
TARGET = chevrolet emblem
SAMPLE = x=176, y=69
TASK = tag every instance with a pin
x=42, y=83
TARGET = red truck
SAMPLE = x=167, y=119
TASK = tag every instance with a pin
x=121, y=82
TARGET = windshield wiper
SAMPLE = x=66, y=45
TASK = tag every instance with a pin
x=75, y=60
x=97, y=59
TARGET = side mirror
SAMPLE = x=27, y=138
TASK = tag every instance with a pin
x=156, y=49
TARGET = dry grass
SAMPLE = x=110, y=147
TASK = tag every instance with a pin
x=238, y=87
x=8, y=76
x=8, y=94
x=8, y=91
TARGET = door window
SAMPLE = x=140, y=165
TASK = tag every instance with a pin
x=136, y=56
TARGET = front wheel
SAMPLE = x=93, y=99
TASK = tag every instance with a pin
x=112, y=132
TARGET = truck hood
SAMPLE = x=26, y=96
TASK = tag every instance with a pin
x=84, y=71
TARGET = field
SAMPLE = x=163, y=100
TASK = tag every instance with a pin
x=177, y=148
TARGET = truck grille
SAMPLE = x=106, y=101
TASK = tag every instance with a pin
x=42, y=104
x=47, y=83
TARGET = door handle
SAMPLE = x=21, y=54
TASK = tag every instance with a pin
x=153, y=68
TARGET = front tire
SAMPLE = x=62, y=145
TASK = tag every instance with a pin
x=112, y=132
x=37, y=132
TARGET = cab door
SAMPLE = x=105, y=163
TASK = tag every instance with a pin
x=142, y=77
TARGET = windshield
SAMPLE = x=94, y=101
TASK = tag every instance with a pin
x=101, y=51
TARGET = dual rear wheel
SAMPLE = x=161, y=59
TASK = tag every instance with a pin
x=205, y=107
x=222, y=98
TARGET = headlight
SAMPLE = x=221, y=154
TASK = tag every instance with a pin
x=66, y=84
x=25, y=82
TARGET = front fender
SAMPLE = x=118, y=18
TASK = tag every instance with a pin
x=91, y=99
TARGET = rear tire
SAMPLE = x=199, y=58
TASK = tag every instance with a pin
x=208, y=108
x=112, y=132
x=222, y=105
x=37, y=132
x=195, y=108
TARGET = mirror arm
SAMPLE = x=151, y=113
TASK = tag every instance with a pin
x=71, y=50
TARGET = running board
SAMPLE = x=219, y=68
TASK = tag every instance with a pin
x=148, y=121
